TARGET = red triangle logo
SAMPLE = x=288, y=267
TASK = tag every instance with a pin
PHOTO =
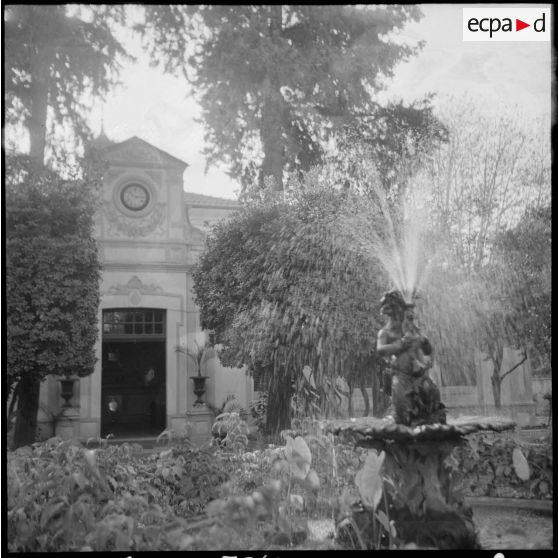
x=519, y=25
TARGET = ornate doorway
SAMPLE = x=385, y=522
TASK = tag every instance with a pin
x=133, y=372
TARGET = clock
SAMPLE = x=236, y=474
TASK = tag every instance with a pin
x=134, y=197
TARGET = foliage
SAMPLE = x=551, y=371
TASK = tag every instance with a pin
x=174, y=437
x=63, y=497
x=524, y=252
x=229, y=405
x=55, y=64
x=258, y=411
x=279, y=289
x=489, y=467
x=230, y=431
x=506, y=303
x=198, y=355
x=52, y=277
x=483, y=196
x=369, y=480
x=275, y=81
x=396, y=139
x=368, y=516
x=479, y=183
x=514, y=302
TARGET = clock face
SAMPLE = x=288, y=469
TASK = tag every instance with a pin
x=134, y=197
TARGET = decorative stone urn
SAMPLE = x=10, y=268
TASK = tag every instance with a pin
x=67, y=390
x=199, y=389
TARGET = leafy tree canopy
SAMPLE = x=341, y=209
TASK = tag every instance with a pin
x=275, y=81
x=524, y=253
x=505, y=303
x=280, y=286
x=54, y=65
x=52, y=283
x=397, y=138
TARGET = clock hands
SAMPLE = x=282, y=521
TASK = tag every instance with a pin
x=134, y=197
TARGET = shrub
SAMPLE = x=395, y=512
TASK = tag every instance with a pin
x=487, y=465
x=64, y=497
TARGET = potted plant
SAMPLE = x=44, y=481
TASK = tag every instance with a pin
x=198, y=355
x=67, y=389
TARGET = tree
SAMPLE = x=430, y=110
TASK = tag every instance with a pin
x=473, y=190
x=54, y=65
x=527, y=250
x=482, y=179
x=52, y=284
x=280, y=291
x=397, y=138
x=274, y=81
x=505, y=303
x=523, y=256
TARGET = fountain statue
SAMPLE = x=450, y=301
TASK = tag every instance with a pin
x=423, y=497
x=415, y=397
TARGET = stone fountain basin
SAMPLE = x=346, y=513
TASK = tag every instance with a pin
x=386, y=429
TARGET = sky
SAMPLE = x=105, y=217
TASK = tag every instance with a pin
x=157, y=107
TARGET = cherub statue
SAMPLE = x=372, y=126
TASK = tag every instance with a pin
x=415, y=397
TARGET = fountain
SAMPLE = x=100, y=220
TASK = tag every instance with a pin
x=424, y=502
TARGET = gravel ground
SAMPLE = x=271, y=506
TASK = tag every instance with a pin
x=512, y=528
x=499, y=528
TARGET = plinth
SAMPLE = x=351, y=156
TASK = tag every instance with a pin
x=201, y=421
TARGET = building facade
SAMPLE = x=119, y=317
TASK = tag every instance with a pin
x=150, y=233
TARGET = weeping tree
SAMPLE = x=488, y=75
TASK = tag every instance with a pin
x=280, y=291
x=52, y=284
x=55, y=64
x=275, y=81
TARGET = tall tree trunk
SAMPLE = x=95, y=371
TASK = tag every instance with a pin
x=278, y=416
x=497, y=359
x=271, y=123
x=38, y=111
x=362, y=388
x=496, y=389
x=498, y=376
x=27, y=408
x=350, y=399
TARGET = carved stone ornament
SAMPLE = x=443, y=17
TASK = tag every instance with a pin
x=130, y=226
x=134, y=287
x=134, y=298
